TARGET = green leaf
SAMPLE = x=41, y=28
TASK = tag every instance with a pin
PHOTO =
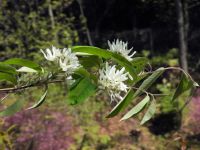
x=8, y=77
x=139, y=78
x=107, y=55
x=12, y=109
x=185, y=84
x=90, y=61
x=26, y=69
x=42, y=99
x=84, y=89
x=92, y=50
x=149, y=113
x=131, y=95
x=121, y=104
x=149, y=81
x=77, y=81
x=7, y=68
x=82, y=72
x=125, y=63
x=23, y=62
x=137, y=108
x=139, y=63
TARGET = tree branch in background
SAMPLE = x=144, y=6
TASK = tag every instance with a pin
x=194, y=5
x=87, y=29
x=52, y=19
x=182, y=18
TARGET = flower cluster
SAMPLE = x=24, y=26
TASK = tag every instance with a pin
x=110, y=79
x=68, y=60
x=121, y=48
x=113, y=80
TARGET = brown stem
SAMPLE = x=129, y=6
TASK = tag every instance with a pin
x=16, y=89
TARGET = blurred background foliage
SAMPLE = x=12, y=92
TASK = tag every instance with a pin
x=26, y=26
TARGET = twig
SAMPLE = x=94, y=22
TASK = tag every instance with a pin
x=180, y=69
x=15, y=89
x=87, y=29
x=149, y=93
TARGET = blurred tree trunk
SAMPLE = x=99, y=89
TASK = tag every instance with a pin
x=87, y=29
x=183, y=25
x=51, y=15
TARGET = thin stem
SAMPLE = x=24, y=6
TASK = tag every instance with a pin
x=180, y=69
x=15, y=89
x=149, y=93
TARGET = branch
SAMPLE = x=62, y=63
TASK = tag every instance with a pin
x=16, y=89
x=51, y=15
x=194, y=5
x=87, y=29
x=180, y=69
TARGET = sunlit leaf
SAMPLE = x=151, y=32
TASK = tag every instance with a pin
x=23, y=62
x=136, y=109
x=107, y=55
x=149, y=113
x=26, y=69
x=92, y=50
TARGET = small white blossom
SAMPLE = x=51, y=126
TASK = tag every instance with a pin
x=68, y=61
x=51, y=54
x=121, y=47
x=113, y=80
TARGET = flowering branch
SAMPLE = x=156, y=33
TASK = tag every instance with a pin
x=88, y=70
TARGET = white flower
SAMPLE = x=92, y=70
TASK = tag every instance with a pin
x=51, y=54
x=113, y=80
x=68, y=61
x=121, y=47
